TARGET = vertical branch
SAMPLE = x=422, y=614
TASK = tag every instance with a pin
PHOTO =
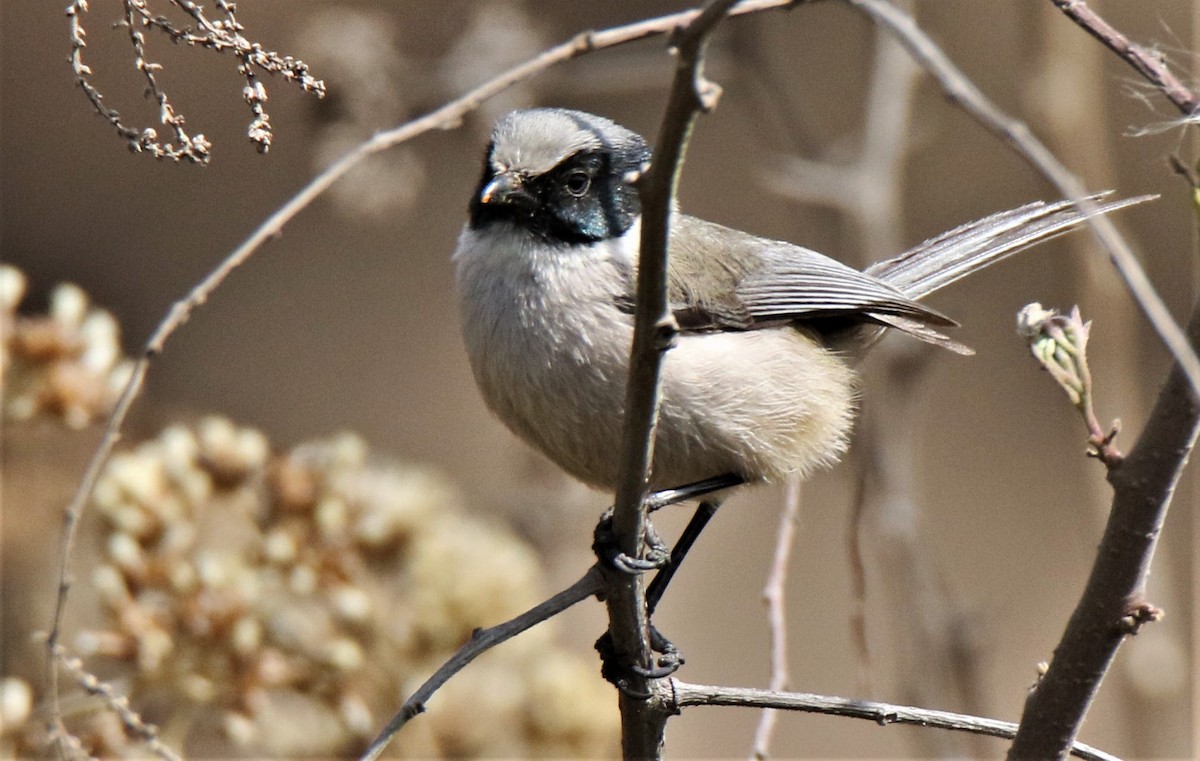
x=774, y=595
x=926, y=621
x=644, y=720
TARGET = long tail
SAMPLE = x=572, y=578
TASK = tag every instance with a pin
x=940, y=261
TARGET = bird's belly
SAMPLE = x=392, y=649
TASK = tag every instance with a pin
x=556, y=378
x=762, y=404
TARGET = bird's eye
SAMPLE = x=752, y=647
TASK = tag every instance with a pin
x=578, y=183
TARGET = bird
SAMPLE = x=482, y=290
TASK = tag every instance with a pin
x=761, y=382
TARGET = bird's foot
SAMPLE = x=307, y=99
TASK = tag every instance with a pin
x=618, y=669
x=604, y=544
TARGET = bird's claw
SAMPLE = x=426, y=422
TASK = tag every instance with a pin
x=604, y=545
x=617, y=668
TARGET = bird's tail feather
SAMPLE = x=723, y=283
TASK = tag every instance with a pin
x=940, y=261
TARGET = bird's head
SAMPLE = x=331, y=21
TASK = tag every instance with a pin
x=563, y=176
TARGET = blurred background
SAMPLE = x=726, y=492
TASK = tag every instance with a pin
x=347, y=323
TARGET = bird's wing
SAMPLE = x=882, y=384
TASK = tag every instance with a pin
x=760, y=283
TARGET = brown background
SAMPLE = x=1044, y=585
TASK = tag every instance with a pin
x=348, y=322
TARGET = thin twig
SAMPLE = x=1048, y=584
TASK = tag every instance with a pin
x=642, y=719
x=688, y=695
x=119, y=704
x=774, y=595
x=1148, y=63
x=1018, y=136
x=481, y=641
x=447, y=116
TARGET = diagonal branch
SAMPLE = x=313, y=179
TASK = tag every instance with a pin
x=1017, y=134
x=688, y=695
x=481, y=641
x=1147, y=62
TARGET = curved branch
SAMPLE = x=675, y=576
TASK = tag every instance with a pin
x=688, y=695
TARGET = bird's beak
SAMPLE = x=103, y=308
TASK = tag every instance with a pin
x=505, y=188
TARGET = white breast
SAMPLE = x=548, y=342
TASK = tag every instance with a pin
x=546, y=341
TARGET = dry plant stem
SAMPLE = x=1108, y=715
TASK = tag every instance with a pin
x=481, y=641
x=688, y=695
x=1147, y=62
x=448, y=116
x=1113, y=604
x=644, y=719
x=132, y=720
x=774, y=596
x=1017, y=134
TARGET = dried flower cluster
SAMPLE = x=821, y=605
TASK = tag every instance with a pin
x=66, y=363
x=292, y=600
x=16, y=705
x=219, y=35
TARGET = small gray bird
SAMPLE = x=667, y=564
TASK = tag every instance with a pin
x=760, y=383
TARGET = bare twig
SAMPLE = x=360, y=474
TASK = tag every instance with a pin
x=774, y=595
x=119, y=704
x=923, y=616
x=219, y=36
x=194, y=149
x=1017, y=134
x=688, y=695
x=643, y=720
x=1147, y=62
x=481, y=641
x=447, y=116
x=1112, y=605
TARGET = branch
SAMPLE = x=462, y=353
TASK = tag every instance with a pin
x=448, y=116
x=1113, y=605
x=481, y=641
x=961, y=91
x=643, y=719
x=1147, y=62
x=774, y=596
x=687, y=695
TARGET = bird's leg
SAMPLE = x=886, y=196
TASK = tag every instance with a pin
x=670, y=659
x=691, y=532
x=604, y=545
x=667, y=497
